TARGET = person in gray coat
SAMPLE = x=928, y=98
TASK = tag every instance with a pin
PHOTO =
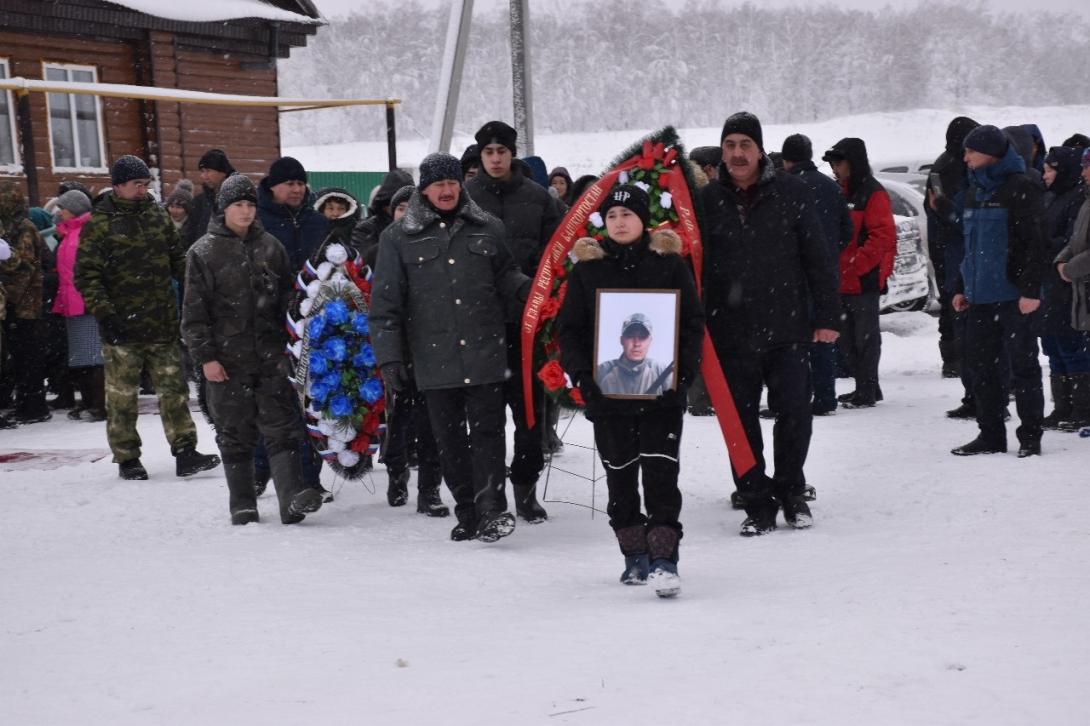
x=1073, y=266
x=237, y=286
x=443, y=281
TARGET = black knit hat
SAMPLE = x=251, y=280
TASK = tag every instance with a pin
x=630, y=197
x=987, y=140
x=497, y=132
x=401, y=195
x=797, y=147
x=127, y=168
x=707, y=155
x=438, y=167
x=1077, y=141
x=956, y=132
x=236, y=188
x=470, y=157
x=285, y=169
x=216, y=159
x=746, y=123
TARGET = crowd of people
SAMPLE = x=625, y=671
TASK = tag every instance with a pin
x=105, y=294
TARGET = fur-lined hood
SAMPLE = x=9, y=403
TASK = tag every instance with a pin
x=663, y=242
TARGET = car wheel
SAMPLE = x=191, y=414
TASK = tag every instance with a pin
x=908, y=306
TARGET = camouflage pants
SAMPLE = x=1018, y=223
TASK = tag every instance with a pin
x=123, y=365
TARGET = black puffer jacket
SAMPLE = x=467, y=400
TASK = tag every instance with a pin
x=528, y=212
x=768, y=276
x=441, y=286
x=652, y=264
x=1062, y=203
x=236, y=293
x=366, y=232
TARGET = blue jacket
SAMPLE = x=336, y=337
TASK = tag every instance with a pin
x=300, y=231
x=1005, y=247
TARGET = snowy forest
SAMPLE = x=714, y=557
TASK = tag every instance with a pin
x=612, y=66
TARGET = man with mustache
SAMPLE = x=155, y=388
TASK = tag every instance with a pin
x=770, y=291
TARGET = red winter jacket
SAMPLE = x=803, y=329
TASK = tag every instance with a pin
x=868, y=259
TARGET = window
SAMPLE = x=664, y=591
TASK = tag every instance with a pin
x=75, y=121
x=9, y=154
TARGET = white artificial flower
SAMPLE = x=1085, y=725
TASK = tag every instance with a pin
x=348, y=458
x=336, y=445
x=666, y=200
x=327, y=426
x=643, y=185
x=313, y=288
x=336, y=253
x=622, y=178
x=305, y=306
x=596, y=219
x=324, y=271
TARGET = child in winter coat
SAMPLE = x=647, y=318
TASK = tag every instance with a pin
x=644, y=434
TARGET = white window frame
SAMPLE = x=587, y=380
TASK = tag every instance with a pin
x=16, y=166
x=103, y=169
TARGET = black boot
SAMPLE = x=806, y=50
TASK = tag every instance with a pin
x=261, y=481
x=242, y=499
x=465, y=530
x=760, y=515
x=287, y=476
x=428, y=502
x=966, y=411
x=188, y=462
x=980, y=446
x=1080, y=403
x=637, y=564
x=796, y=512
x=132, y=470
x=526, y=504
x=397, y=491
x=494, y=525
x=1061, y=402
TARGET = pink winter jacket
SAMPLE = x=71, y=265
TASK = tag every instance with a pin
x=69, y=302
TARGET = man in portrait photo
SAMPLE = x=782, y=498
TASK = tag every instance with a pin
x=633, y=373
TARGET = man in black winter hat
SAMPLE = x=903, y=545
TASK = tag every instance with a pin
x=770, y=292
x=213, y=168
x=999, y=289
x=708, y=158
x=366, y=232
x=443, y=279
x=530, y=215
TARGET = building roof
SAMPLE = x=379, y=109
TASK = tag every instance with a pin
x=203, y=11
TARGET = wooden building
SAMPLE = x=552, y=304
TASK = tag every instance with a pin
x=199, y=45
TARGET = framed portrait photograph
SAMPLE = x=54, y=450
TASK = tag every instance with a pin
x=636, y=342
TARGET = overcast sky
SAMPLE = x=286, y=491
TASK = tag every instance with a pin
x=332, y=8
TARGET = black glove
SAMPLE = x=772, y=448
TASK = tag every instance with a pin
x=675, y=397
x=111, y=330
x=395, y=376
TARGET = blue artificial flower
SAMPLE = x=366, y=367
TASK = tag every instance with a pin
x=331, y=380
x=335, y=349
x=318, y=363
x=316, y=327
x=365, y=357
x=340, y=405
x=371, y=390
x=318, y=392
x=337, y=312
x=360, y=324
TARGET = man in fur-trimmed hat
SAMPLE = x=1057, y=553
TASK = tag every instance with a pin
x=443, y=280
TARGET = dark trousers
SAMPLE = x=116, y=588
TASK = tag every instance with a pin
x=312, y=463
x=990, y=328
x=248, y=404
x=406, y=415
x=862, y=341
x=823, y=375
x=786, y=372
x=528, y=459
x=1068, y=354
x=472, y=460
x=23, y=340
x=647, y=443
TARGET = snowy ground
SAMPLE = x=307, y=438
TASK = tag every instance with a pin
x=932, y=590
x=890, y=137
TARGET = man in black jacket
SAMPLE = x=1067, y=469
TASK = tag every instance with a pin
x=836, y=227
x=214, y=167
x=443, y=280
x=530, y=215
x=366, y=233
x=770, y=291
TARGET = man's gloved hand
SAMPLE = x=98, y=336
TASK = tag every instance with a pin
x=395, y=376
x=675, y=397
x=111, y=330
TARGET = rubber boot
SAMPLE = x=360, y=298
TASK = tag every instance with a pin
x=633, y=543
x=526, y=504
x=239, y=471
x=1080, y=403
x=1061, y=402
x=287, y=476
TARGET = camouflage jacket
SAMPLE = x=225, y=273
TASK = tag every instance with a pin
x=128, y=255
x=20, y=274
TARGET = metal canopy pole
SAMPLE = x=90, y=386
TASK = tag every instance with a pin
x=391, y=136
x=521, y=86
x=450, y=75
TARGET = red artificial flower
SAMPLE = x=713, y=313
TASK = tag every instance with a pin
x=552, y=347
x=577, y=397
x=657, y=150
x=361, y=443
x=664, y=179
x=552, y=375
x=560, y=293
x=670, y=156
x=550, y=308
x=647, y=163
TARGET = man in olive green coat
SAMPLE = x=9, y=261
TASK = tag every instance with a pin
x=129, y=254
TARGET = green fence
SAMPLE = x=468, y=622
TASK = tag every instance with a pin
x=358, y=183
